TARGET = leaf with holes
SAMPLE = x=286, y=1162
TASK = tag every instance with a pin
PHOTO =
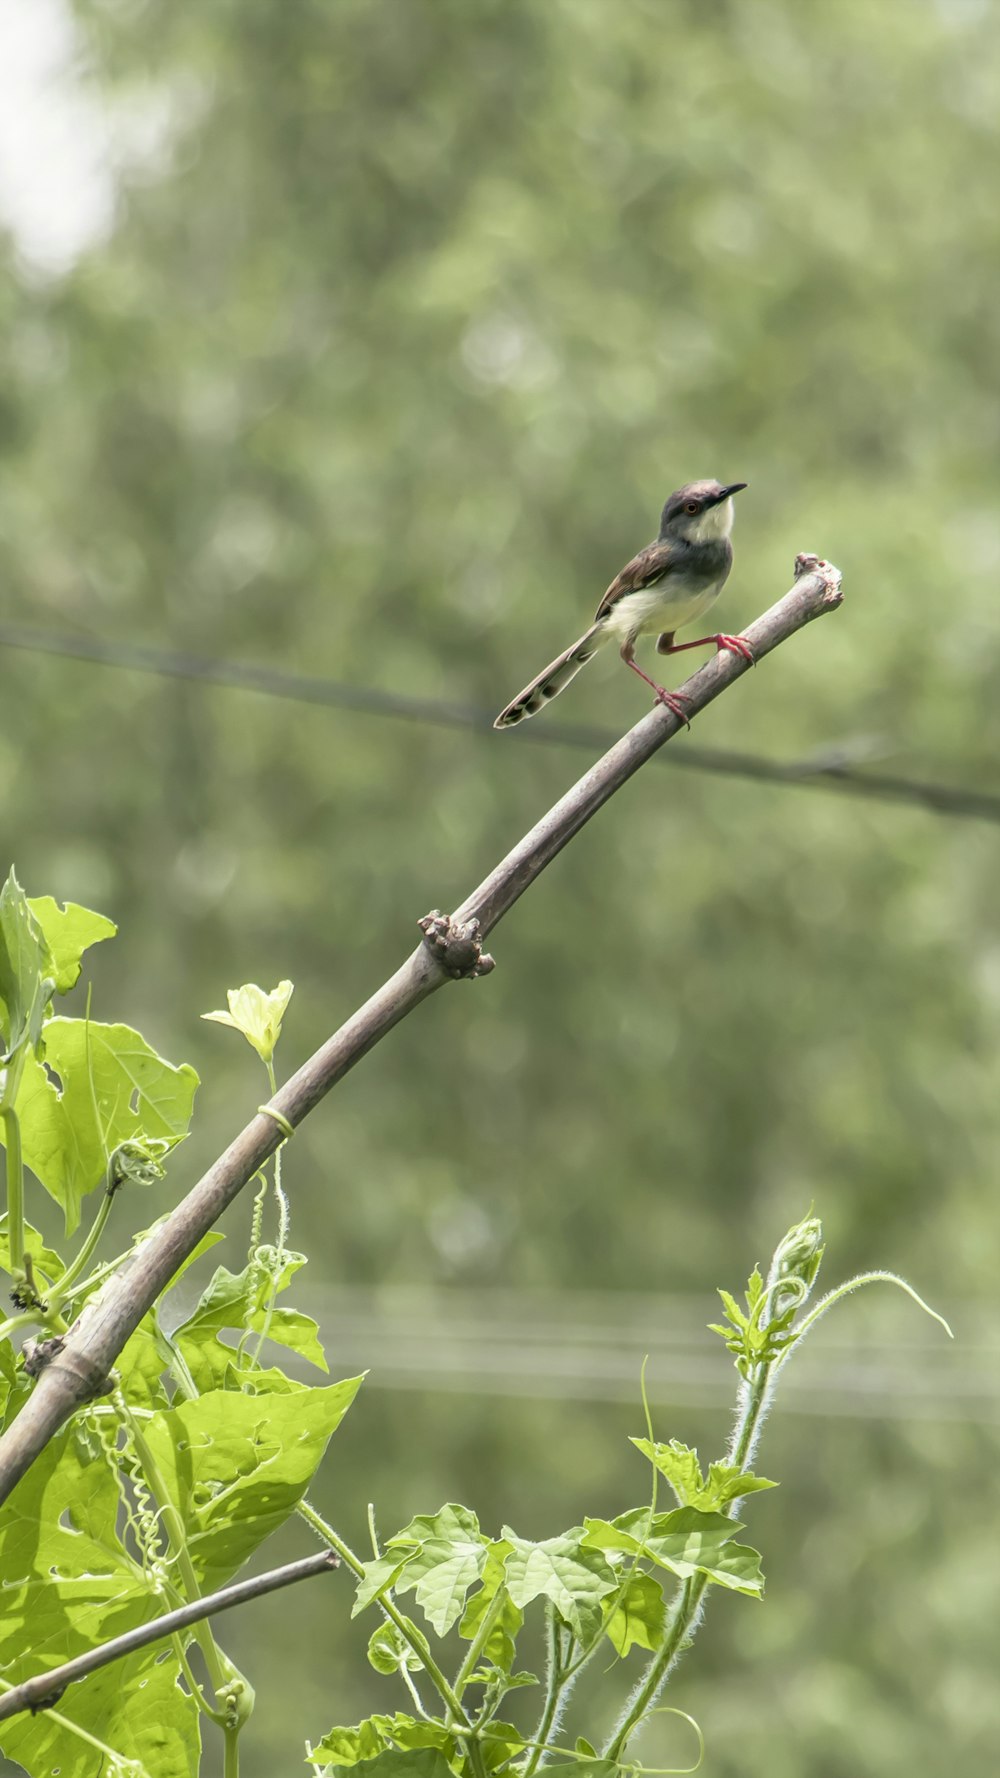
x=98, y=1085
x=69, y=931
x=67, y=1587
x=237, y=1465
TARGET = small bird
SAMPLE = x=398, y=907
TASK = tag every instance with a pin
x=668, y=584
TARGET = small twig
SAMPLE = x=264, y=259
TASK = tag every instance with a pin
x=47, y=1688
x=110, y=1316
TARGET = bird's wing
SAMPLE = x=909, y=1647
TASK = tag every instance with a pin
x=645, y=569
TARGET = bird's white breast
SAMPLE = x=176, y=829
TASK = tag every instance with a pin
x=667, y=606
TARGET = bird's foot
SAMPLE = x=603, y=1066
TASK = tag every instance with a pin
x=675, y=701
x=736, y=645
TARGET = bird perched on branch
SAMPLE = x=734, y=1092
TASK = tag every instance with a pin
x=668, y=584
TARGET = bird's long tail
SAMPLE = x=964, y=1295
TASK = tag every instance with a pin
x=554, y=679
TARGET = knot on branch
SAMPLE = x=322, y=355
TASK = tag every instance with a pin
x=807, y=563
x=89, y=1381
x=38, y=1354
x=455, y=944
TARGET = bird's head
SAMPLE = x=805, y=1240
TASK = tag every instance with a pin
x=700, y=512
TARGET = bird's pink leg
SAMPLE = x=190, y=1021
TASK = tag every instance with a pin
x=674, y=700
x=735, y=645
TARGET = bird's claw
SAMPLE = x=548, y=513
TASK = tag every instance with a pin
x=736, y=645
x=675, y=701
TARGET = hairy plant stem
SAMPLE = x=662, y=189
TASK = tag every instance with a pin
x=346, y=1554
x=555, y=1679
x=686, y=1609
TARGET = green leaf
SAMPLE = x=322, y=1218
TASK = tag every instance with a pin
x=448, y=1556
x=142, y=1364
x=256, y=1014
x=27, y=971
x=69, y=931
x=69, y=1586
x=348, y=1746
x=378, y=1576
x=417, y=1762
x=238, y=1301
x=389, y=1651
x=569, y=1571
x=501, y=1742
x=500, y=1643
x=47, y=1264
x=638, y=1615
x=236, y=1465
x=685, y=1542
x=679, y=1463
x=112, y=1087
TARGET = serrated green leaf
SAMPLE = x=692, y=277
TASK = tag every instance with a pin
x=418, y=1762
x=733, y=1310
x=679, y=1463
x=726, y=1482
x=448, y=1556
x=574, y=1575
x=638, y=1615
x=68, y=931
x=685, y=1542
x=27, y=971
x=347, y=1746
x=237, y=1465
x=238, y=1301
x=112, y=1087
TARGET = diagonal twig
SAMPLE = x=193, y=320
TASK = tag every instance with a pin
x=45, y=1689
x=78, y=1370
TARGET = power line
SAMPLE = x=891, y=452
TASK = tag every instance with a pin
x=829, y=770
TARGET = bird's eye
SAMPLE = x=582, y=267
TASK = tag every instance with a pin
x=692, y=506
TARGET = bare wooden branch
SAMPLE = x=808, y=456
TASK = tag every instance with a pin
x=45, y=1689
x=80, y=1369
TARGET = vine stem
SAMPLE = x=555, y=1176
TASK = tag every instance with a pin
x=176, y=1542
x=479, y=1642
x=753, y=1401
x=63, y=1287
x=437, y=1678
x=554, y=1680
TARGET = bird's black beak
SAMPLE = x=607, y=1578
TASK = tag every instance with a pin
x=733, y=488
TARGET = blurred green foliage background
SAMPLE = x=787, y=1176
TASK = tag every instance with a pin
x=408, y=316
